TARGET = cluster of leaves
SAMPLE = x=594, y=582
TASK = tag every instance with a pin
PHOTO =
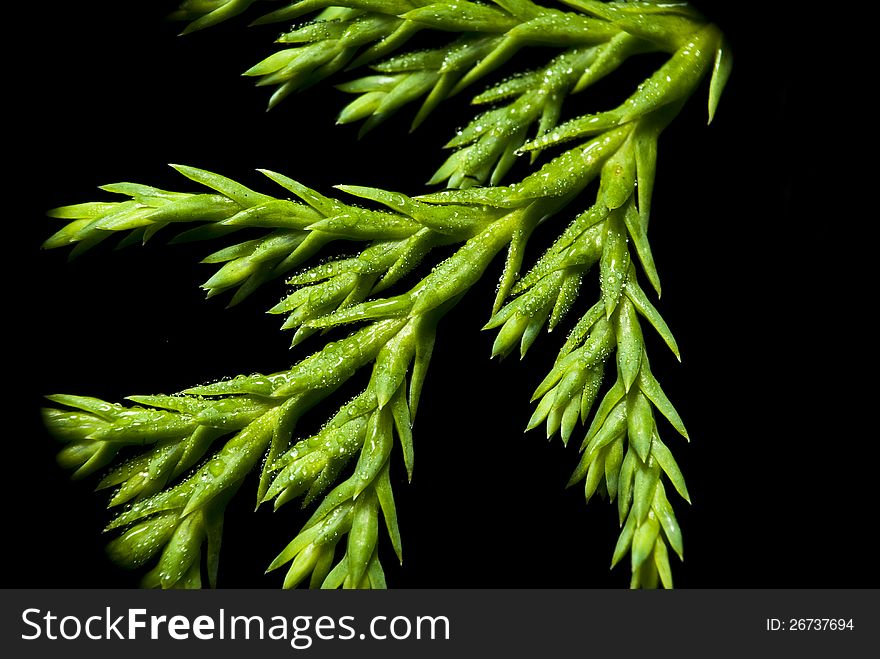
x=204, y=441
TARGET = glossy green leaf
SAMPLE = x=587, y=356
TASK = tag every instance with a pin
x=363, y=536
x=720, y=74
x=512, y=265
x=377, y=448
x=643, y=541
x=664, y=513
x=403, y=424
x=580, y=330
x=624, y=541
x=461, y=16
x=613, y=461
x=363, y=224
x=608, y=58
x=636, y=230
x=302, y=566
x=637, y=296
x=614, y=263
x=619, y=176
x=651, y=388
x=667, y=463
x=181, y=552
x=646, y=478
x=389, y=510
x=241, y=195
x=661, y=560
x=140, y=542
x=629, y=342
x=640, y=424
x=392, y=364
x=611, y=399
x=612, y=427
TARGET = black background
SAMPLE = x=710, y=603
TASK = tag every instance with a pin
x=106, y=91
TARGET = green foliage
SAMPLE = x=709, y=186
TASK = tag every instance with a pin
x=199, y=445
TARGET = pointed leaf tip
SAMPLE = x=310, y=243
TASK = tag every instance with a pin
x=720, y=74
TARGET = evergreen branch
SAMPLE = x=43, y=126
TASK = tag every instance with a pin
x=296, y=230
x=622, y=455
x=224, y=429
x=346, y=34
x=443, y=72
x=261, y=410
x=178, y=520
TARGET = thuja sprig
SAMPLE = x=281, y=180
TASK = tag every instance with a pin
x=622, y=446
x=204, y=441
x=262, y=410
x=346, y=34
